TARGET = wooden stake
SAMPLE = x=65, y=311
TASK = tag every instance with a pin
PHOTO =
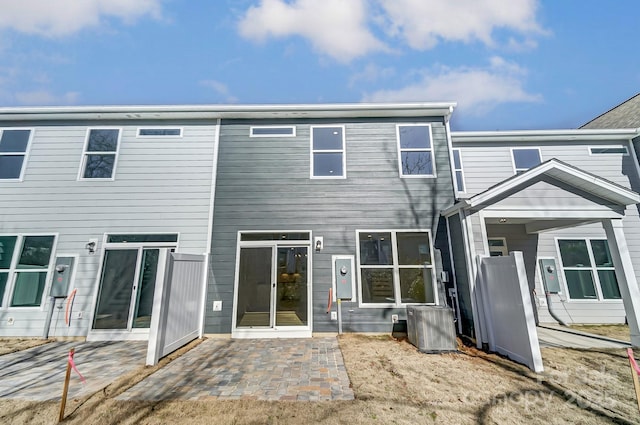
x=634, y=374
x=65, y=390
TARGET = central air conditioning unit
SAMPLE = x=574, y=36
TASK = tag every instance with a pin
x=431, y=328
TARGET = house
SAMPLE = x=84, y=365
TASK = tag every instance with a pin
x=295, y=207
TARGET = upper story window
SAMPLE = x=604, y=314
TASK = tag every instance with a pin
x=100, y=154
x=457, y=169
x=272, y=131
x=160, y=132
x=328, y=152
x=608, y=150
x=13, y=152
x=395, y=268
x=24, y=264
x=525, y=158
x=415, y=150
x=588, y=269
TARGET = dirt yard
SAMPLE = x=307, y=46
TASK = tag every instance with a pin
x=11, y=345
x=394, y=383
x=620, y=332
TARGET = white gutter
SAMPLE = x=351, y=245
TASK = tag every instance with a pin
x=154, y=112
x=544, y=135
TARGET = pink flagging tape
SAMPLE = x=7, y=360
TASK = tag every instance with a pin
x=73, y=366
x=633, y=361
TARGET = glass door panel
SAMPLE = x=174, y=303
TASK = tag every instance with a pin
x=116, y=289
x=146, y=288
x=291, y=290
x=254, y=288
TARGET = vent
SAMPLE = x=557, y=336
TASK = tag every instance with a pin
x=431, y=328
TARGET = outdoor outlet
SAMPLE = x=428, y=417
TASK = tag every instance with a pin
x=78, y=315
x=217, y=306
x=334, y=315
x=10, y=321
x=394, y=318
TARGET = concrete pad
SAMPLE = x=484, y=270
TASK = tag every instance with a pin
x=38, y=373
x=309, y=369
x=557, y=337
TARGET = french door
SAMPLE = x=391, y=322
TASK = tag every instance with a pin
x=272, y=291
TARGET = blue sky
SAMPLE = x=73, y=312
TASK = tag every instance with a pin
x=517, y=64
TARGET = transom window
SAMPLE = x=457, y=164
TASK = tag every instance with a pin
x=415, y=150
x=498, y=247
x=588, y=269
x=24, y=265
x=100, y=153
x=160, y=132
x=13, y=151
x=395, y=268
x=608, y=150
x=457, y=169
x=525, y=158
x=272, y=131
x=327, y=152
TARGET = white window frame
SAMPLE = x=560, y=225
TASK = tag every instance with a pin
x=430, y=150
x=592, y=268
x=458, y=170
x=395, y=267
x=513, y=159
x=13, y=271
x=86, y=153
x=159, y=136
x=25, y=154
x=501, y=249
x=592, y=153
x=254, y=127
x=342, y=151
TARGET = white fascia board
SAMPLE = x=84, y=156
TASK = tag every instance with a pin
x=544, y=135
x=291, y=111
x=452, y=210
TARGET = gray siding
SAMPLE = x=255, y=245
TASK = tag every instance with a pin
x=617, y=168
x=264, y=184
x=161, y=185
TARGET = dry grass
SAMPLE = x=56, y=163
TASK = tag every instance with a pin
x=620, y=332
x=17, y=344
x=394, y=383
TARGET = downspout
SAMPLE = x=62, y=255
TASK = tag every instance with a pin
x=550, y=308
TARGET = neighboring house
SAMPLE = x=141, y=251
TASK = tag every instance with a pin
x=566, y=199
x=625, y=115
x=291, y=204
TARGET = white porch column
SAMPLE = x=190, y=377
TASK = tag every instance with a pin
x=626, y=276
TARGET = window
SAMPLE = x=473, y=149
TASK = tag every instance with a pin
x=498, y=247
x=608, y=150
x=415, y=150
x=588, y=269
x=160, y=132
x=457, y=170
x=327, y=152
x=13, y=151
x=523, y=159
x=272, y=131
x=142, y=238
x=395, y=268
x=100, y=154
x=24, y=265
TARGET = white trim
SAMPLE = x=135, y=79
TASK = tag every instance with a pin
x=453, y=275
x=502, y=249
x=342, y=151
x=544, y=135
x=351, y=258
x=592, y=153
x=272, y=135
x=12, y=271
x=431, y=150
x=24, y=154
x=85, y=153
x=456, y=170
x=483, y=232
x=472, y=269
x=159, y=136
x=396, y=267
x=556, y=213
x=518, y=170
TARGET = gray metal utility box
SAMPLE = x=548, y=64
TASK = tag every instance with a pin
x=431, y=328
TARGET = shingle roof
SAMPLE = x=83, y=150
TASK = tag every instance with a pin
x=625, y=115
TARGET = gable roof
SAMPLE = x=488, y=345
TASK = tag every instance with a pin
x=560, y=171
x=625, y=115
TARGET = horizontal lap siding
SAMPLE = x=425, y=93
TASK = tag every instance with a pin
x=487, y=164
x=265, y=184
x=162, y=185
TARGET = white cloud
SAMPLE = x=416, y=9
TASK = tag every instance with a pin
x=336, y=28
x=371, y=73
x=45, y=97
x=221, y=89
x=64, y=17
x=424, y=23
x=477, y=90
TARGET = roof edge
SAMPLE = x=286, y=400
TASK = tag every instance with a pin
x=544, y=135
